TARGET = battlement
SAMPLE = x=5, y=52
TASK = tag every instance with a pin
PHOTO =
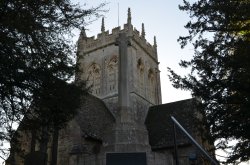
x=105, y=38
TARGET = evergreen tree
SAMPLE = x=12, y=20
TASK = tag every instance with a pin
x=37, y=61
x=220, y=69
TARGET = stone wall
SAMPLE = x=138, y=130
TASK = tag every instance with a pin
x=98, y=58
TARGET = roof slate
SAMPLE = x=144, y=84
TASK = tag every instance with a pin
x=94, y=117
x=160, y=125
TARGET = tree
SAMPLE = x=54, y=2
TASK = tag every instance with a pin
x=220, y=69
x=37, y=60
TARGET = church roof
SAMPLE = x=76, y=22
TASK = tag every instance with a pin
x=94, y=117
x=160, y=125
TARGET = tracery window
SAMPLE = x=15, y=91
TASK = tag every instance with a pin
x=94, y=78
x=141, y=81
x=152, y=85
x=112, y=70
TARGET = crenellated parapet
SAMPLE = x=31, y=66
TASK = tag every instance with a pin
x=105, y=38
x=146, y=46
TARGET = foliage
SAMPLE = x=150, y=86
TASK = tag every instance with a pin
x=220, y=69
x=37, y=59
x=54, y=103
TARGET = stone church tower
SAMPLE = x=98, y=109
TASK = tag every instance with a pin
x=122, y=121
x=122, y=70
x=100, y=59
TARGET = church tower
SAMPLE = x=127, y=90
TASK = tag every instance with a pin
x=122, y=70
x=100, y=59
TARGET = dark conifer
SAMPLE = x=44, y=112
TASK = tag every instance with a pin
x=220, y=33
x=37, y=63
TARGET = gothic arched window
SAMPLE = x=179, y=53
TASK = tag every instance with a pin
x=140, y=70
x=112, y=69
x=94, y=78
x=152, y=84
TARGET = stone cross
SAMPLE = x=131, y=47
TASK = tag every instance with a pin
x=123, y=91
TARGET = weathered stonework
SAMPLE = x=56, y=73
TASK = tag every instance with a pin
x=98, y=59
x=122, y=70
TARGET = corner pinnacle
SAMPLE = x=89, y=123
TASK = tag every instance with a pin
x=83, y=33
x=129, y=17
x=103, y=26
x=142, y=31
x=155, y=43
